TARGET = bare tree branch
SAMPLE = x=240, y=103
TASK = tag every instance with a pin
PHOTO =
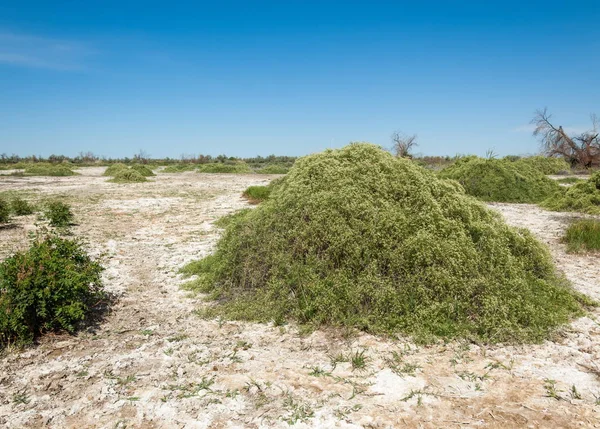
x=403, y=144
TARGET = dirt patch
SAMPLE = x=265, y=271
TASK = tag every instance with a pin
x=155, y=364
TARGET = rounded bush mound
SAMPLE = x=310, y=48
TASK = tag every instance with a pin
x=583, y=196
x=143, y=170
x=178, y=168
x=545, y=165
x=128, y=176
x=357, y=237
x=500, y=180
x=218, y=167
x=113, y=169
x=49, y=170
x=50, y=287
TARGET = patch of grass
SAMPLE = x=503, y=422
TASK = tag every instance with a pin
x=582, y=197
x=500, y=180
x=583, y=235
x=52, y=286
x=4, y=211
x=58, y=214
x=356, y=237
x=358, y=360
x=21, y=207
x=257, y=194
x=217, y=167
x=128, y=176
x=143, y=170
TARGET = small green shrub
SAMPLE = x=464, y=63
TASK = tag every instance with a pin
x=49, y=170
x=544, y=164
x=257, y=194
x=500, y=180
x=20, y=207
x=4, y=211
x=58, y=214
x=50, y=287
x=583, y=235
x=218, y=167
x=179, y=168
x=356, y=237
x=582, y=197
x=113, y=169
x=128, y=176
x=273, y=169
x=143, y=170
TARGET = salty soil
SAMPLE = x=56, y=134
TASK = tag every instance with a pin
x=154, y=363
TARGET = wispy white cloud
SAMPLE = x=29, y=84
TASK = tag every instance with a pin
x=22, y=50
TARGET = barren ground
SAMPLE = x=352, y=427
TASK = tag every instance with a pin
x=153, y=363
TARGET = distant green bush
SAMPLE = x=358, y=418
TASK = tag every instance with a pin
x=545, y=165
x=128, y=176
x=4, y=211
x=273, y=169
x=583, y=235
x=582, y=197
x=143, y=170
x=500, y=180
x=179, y=168
x=217, y=167
x=356, y=237
x=52, y=286
x=58, y=214
x=20, y=207
x=113, y=169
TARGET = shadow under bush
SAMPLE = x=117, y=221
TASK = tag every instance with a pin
x=355, y=237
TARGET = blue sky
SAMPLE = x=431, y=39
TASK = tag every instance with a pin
x=291, y=77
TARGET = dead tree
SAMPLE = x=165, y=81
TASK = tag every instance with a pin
x=578, y=150
x=403, y=144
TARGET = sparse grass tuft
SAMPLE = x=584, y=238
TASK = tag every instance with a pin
x=583, y=235
x=355, y=237
x=4, y=211
x=257, y=194
x=20, y=207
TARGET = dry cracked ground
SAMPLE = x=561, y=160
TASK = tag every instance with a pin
x=154, y=363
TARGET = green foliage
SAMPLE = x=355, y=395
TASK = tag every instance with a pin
x=128, y=176
x=58, y=214
x=273, y=169
x=143, y=170
x=583, y=235
x=544, y=164
x=50, y=287
x=48, y=170
x=113, y=169
x=4, y=211
x=218, y=167
x=569, y=180
x=257, y=194
x=500, y=180
x=582, y=197
x=179, y=168
x=355, y=237
x=20, y=207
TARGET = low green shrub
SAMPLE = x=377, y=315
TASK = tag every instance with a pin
x=58, y=214
x=113, y=169
x=500, y=180
x=179, y=168
x=128, y=176
x=49, y=170
x=545, y=165
x=21, y=207
x=273, y=169
x=582, y=197
x=356, y=237
x=4, y=211
x=217, y=167
x=583, y=235
x=143, y=170
x=257, y=194
x=51, y=287
x=569, y=180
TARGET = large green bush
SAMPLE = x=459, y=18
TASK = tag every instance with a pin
x=217, y=167
x=50, y=287
x=359, y=238
x=501, y=180
x=582, y=197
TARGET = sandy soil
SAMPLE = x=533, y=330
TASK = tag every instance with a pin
x=153, y=363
